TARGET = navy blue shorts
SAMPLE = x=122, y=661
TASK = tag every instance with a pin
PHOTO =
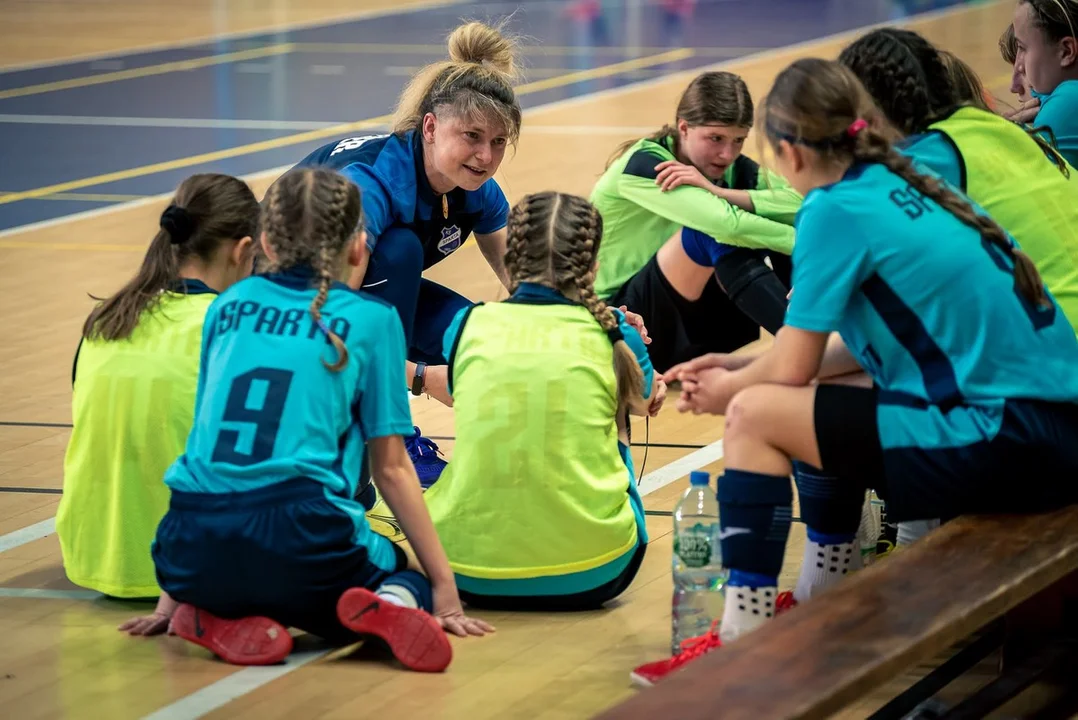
x=285, y=552
x=1029, y=465
x=395, y=274
x=705, y=250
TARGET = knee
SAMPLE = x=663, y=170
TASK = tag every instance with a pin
x=401, y=248
x=744, y=415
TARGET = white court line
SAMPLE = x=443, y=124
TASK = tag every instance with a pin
x=231, y=687
x=215, y=696
x=199, y=40
x=27, y=534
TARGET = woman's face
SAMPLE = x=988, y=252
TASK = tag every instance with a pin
x=711, y=148
x=1043, y=63
x=461, y=152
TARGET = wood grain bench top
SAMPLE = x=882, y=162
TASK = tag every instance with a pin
x=902, y=610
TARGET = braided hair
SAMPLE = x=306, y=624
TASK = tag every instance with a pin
x=915, y=84
x=553, y=240
x=822, y=105
x=309, y=217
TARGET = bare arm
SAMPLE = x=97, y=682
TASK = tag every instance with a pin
x=837, y=359
x=394, y=476
x=493, y=248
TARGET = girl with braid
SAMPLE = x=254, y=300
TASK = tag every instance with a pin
x=971, y=361
x=1018, y=179
x=541, y=470
x=427, y=187
x=300, y=377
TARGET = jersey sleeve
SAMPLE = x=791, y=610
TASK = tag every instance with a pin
x=640, y=350
x=935, y=151
x=774, y=199
x=377, y=208
x=209, y=329
x=495, y=210
x=384, y=409
x=830, y=262
x=697, y=208
x=449, y=341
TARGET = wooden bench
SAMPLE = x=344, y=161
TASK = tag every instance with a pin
x=901, y=611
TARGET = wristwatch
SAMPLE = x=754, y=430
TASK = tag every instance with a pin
x=417, y=380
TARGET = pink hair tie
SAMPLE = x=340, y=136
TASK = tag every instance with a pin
x=856, y=126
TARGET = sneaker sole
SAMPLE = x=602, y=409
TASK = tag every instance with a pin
x=246, y=641
x=640, y=681
x=413, y=636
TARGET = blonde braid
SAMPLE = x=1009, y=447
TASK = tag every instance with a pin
x=325, y=231
x=582, y=250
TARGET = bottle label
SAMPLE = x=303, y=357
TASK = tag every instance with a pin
x=694, y=548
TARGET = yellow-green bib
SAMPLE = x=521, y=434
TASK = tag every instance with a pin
x=536, y=485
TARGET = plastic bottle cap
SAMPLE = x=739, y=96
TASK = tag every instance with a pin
x=699, y=477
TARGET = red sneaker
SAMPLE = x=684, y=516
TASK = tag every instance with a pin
x=651, y=673
x=414, y=636
x=246, y=641
x=784, y=601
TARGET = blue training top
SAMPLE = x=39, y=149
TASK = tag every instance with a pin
x=927, y=307
x=396, y=193
x=1059, y=111
x=267, y=410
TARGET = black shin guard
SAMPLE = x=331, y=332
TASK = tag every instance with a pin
x=753, y=287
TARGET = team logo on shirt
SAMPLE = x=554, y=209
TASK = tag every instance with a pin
x=450, y=240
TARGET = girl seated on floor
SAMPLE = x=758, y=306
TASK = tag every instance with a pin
x=538, y=508
x=134, y=381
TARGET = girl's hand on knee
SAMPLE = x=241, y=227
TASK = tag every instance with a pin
x=450, y=614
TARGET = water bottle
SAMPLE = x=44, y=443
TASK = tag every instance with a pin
x=699, y=577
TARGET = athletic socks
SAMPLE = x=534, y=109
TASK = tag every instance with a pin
x=750, y=602
x=398, y=595
x=827, y=559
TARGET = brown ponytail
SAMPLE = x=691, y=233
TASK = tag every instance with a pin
x=817, y=102
x=206, y=211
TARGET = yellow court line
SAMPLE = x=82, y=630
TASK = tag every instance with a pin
x=148, y=71
x=23, y=244
x=91, y=197
x=272, y=144
x=550, y=50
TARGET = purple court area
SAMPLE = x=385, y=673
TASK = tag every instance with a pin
x=276, y=89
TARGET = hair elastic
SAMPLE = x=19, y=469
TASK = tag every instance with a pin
x=856, y=127
x=615, y=335
x=178, y=223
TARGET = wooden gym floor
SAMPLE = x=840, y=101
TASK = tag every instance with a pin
x=105, y=106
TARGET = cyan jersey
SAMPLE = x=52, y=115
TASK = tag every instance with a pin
x=396, y=193
x=267, y=410
x=929, y=309
x=937, y=152
x=1059, y=111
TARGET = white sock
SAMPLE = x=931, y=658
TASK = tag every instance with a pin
x=745, y=610
x=913, y=530
x=824, y=565
x=398, y=595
